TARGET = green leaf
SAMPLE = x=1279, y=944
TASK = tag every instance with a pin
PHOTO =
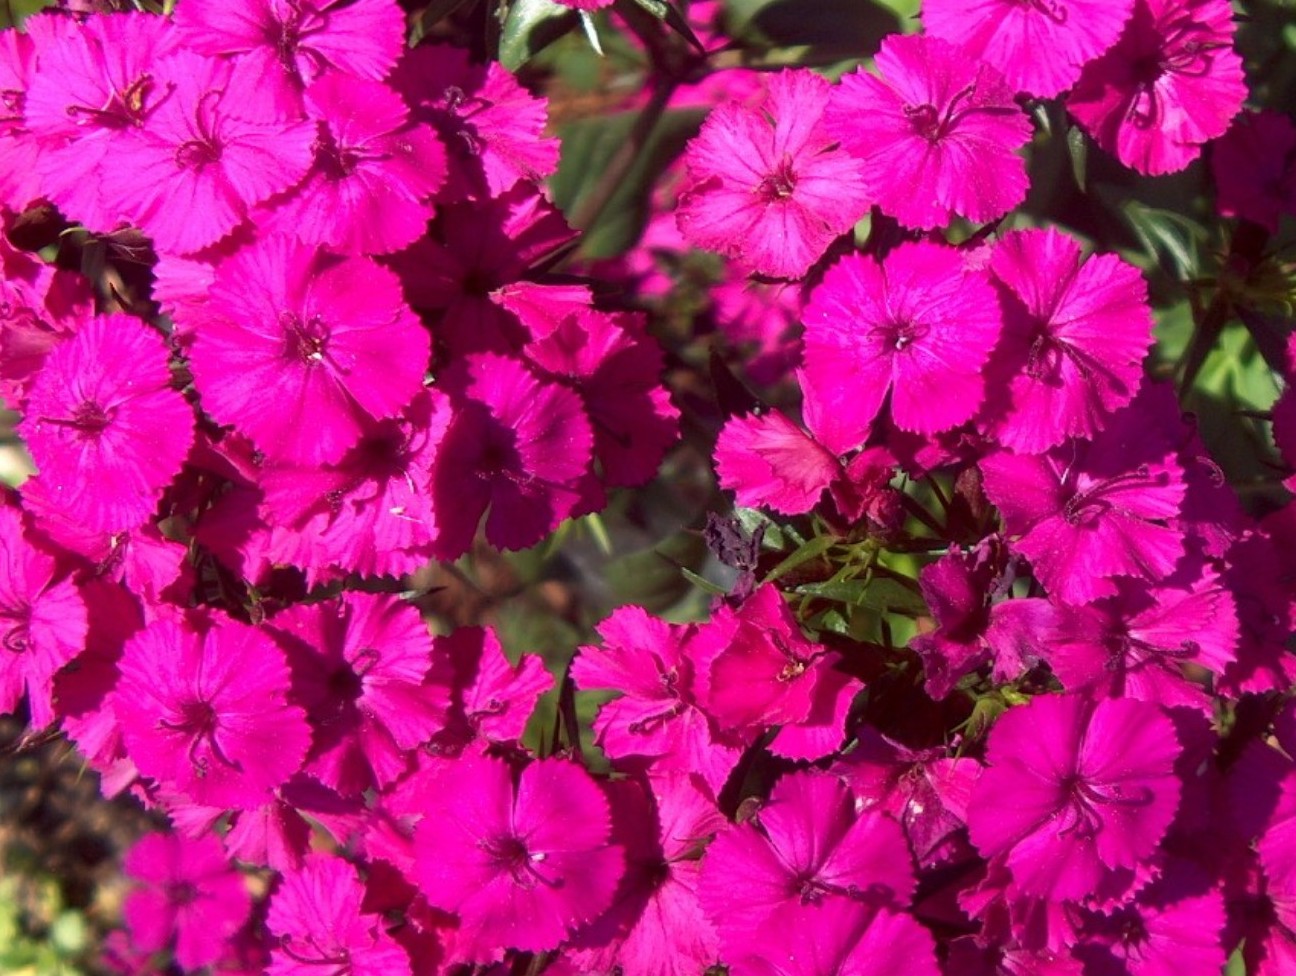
x=591, y=32
x=531, y=26
x=834, y=28
x=1169, y=238
x=589, y=145
x=14, y=12
x=812, y=549
x=433, y=14
x=1078, y=149
x=702, y=583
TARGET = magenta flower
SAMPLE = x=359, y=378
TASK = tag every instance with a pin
x=937, y=134
x=212, y=152
x=460, y=272
x=805, y=850
x=207, y=713
x=1254, y=165
x=1038, y=45
x=491, y=126
x=107, y=431
x=1087, y=513
x=369, y=513
x=518, y=446
x=1075, y=334
x=360, y=668
x=615, y=366
x=188, y=892
x=522, y=864
x=1171, y=83
x=1136, y=644
x=94, y=85
x=1075, y=790
x=918, y=326
x=289, y=44
x=769, y=462
x=651, y=663
x=492, y=698
x=656, y=926
x=319, y=927
x=302, y=354
x=19, y=181
x=375, y=173
x=768, y=187
x=43, y=622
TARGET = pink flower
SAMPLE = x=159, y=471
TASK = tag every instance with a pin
x=767, y=186
x=289, y=44
x=1038, y=45
x=375, y=173
x=1075, y=334
x=518, y=447
x=805, y=850
x=462, y=271
x=370, y=512
x=491, y=697
x=918, y=326
x=1254, y=165
x=302, y=354
x=651, y=664
x=768, y=461
x=319, y=927
x=522, y=864
x=107, y=431
x=43, y=622
x=94, y=85
x=360, y=667
x=615, y=366
x=188, y=892
x=1172, y=83
x=936, y=135
x=19, y=182
x=1087, y=513
x=207, y=713
x=35, y=316
x=210, y=151
x=1075, y=790
x=656, y=926
x=492, y=127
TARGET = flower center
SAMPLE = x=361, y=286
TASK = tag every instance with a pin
x=17, y=635
x=779, y=184
x=306, y=340
x=932, y=124
x=1052, y=9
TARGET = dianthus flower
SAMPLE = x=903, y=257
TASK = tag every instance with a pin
x=35, y=316
x=462, y=270
x=651, y=663
x=491, y=126
x=918, y=326
x=1254, y=165
x=360, y=668
x=521, y=863
x=936, y=135
x=805, y=849
x=768, y=187
x=1075, y=334
x=1038, y=45
x=43, y=622
x=1087, y=513
x=207, y=713
x=1171, y=83
x=188, y=892
x=615, y=366
x=290, y=44
x=518, y=446
x=319, y=927
x=210, y=151
x=19, y=181
x=93, y=86
x=107, y=431
x=370, y=512
x=656, y=926
x=1075, y=790
x=370, y=189
x=301, y=354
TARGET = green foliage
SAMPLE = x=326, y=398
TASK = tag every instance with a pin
x=38, y=936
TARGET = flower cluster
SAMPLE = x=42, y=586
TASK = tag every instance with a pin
x=998, y=687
